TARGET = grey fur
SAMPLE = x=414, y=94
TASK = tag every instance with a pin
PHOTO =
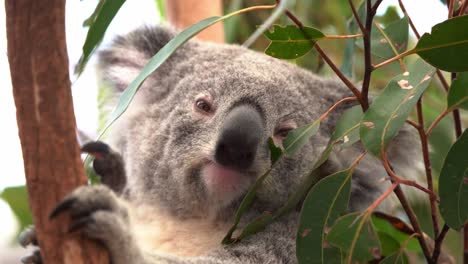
x=165, y=144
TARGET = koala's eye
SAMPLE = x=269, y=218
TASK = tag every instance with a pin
x=283, y=129
x=203, y=105
x=282, y=133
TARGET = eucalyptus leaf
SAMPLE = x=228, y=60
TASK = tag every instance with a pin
x=98, y=24
x=392, y=41
x=325, y=202
x=17, y=198
x=396, y=258
x=298, y=137
x=453, y=184
x=458, y=93
x=387, y=114
x=291, y=42
x=446, y=47
x=355, y=236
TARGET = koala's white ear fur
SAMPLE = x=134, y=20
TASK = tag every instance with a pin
x=125, y=58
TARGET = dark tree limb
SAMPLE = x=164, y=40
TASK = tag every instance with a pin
x=39, y=72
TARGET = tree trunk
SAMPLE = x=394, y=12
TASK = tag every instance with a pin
x=39, y=72
x=183, y=13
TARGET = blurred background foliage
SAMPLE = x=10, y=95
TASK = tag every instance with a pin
x=332, y=18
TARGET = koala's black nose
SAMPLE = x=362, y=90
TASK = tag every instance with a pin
x=239, y=138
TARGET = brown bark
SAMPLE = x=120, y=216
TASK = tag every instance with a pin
x=39, y=72
x=183, y=13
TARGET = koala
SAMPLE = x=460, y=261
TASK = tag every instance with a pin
x=195, y=139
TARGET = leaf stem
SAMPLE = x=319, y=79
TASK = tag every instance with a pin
x=343, y=36
x=414, y=222
x=438, y=242
x=346, y=99
x=461, y=11
x=401, y=55
x=427, y=165
x=327, y=59
x=356, y=16
x=407, y=208
x=450, y=8
x=436, y=121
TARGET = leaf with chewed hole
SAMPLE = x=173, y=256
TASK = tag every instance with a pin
x=355, y=236
x=453, y=184
x=388, y=112
x=446, y=47
x=291, y=42
x=326, y=201
x=458, y=93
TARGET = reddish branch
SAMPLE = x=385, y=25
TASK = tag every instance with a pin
x=46, y=123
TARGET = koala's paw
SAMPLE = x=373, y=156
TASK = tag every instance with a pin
x=108, y=164
x=97, y=212
x=26, y=238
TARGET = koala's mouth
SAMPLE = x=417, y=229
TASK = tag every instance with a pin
x=224, y=182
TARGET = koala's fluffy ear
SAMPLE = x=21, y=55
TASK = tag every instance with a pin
x=121, y=63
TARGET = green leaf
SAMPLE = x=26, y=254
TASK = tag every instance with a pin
x=325, y=202
x=390, y=41
x=446, y=47
x=243, y=207
x=347, y=127
x=389, y=244
x=275, y=152
x=355, y=236
x=299, y=137
x=453, y=184
x=458, y=93
x=388, y=112
x=384, y=226
x=290, y=42
x=258, y=224
x=105, y=12
x=17, y=198
x=396, y=258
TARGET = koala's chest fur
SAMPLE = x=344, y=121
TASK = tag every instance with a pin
x=159, y=232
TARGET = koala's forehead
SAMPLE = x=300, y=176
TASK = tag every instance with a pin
x=230, y=73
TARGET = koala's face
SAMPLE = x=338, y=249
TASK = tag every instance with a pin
x=196, y=137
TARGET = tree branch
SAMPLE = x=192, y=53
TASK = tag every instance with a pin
x=46, y=123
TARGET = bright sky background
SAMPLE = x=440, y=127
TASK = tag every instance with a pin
x=134, y=13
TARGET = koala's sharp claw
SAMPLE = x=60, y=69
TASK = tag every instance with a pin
x=96, y=148
x=61, y=207
x=78, y=224
x=28, y=237
x=34, y=258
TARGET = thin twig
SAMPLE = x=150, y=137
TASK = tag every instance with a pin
x=343, y=36
x=450, y=8
x=461, y=11
x=367, y=56
x=414, y=222
x=427, y=165
x=331, y=109
x=438, y=242
x=436, y=121
x=413, y=124
x=400, y=180
x=330, y=63
x=403, y=9
x=356, y=16
x=399, y=56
